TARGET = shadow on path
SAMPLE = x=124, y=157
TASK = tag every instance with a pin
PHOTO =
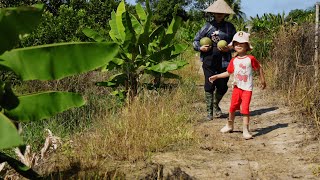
x=262, y=131
x=252, y=113
x=261, y=111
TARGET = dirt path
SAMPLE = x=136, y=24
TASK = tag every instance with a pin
x=281, y=149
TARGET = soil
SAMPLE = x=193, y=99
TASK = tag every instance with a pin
x=283, y=147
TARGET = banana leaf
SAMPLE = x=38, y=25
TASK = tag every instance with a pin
x=17, y=21
x=9, y=136
x=114, y=81
x=56, y=61
x=171, y=31
x=141, y=13
x=39, y=106
x=93, y=35
x=167, y=66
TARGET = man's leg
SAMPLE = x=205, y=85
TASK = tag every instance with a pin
x=221, y=90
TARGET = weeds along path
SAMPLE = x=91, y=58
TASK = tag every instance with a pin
x=282, y=147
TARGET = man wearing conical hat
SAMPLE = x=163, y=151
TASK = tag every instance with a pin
x=214, y=59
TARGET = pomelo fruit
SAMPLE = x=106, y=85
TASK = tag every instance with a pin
x=222, y=44
x=205, y=41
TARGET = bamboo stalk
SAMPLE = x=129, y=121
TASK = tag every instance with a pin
x=316, y=42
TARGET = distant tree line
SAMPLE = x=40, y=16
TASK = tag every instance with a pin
x=64, y=20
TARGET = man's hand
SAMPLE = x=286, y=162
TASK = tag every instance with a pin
x=224, y=49
x=205, y=48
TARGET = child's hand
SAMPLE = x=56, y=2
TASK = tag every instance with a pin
x=263, y=84
x=213, y=78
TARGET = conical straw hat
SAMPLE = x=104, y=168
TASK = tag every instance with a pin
x=220, y=6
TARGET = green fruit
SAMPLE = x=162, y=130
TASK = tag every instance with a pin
x=222, y=44
x=205, y=41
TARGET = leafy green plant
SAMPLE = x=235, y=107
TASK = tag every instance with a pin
x=142, y=50
x=47, y=62
x=268, y=22
x=188, y=29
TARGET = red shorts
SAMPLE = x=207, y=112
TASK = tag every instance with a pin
x=240, y=97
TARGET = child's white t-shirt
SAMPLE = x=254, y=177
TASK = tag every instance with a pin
x=242, y=68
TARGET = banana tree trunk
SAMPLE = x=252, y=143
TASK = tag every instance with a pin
x=132, y=86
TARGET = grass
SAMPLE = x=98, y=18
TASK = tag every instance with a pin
x=291, y=71
x=154, y=122
x=101, y=134
x=103, y=131
x=71, y=121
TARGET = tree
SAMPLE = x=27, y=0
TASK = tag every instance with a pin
x=56, y=61
x=200, y=5
x=51, y=5
x=143, y=50
x=164, y=9
x=236, y=7
x=71, y=17
x=299, y=15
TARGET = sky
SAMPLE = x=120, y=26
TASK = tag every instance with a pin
x=254, y=7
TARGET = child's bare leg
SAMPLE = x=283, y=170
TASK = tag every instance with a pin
x=229, y=126
x=246, y=133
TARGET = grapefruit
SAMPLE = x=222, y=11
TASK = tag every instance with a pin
x=222, y=44
x=205, y=41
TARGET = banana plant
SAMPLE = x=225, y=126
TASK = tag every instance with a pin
x=143, y=50
x=47, y=62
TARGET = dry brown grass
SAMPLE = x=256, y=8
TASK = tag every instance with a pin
x=292, y=69
x=156, y=121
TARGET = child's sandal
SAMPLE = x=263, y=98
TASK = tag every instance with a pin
x=227, y=129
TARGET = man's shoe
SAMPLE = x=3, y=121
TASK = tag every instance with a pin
x=217, y=112
x=209, y=117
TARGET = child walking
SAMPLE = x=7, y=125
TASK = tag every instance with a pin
x=241, y=67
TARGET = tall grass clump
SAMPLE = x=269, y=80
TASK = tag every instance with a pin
x=291, y=69
x=74, y=120
x=156, y=121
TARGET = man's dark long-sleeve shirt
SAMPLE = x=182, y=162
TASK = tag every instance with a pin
x=215, y=31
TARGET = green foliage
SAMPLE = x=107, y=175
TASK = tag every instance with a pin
x=164, y=10
x=301, y=16
x=24, y=22
x=50, y=103
x=268, y=22
x=143, y=50
x=56, y=61
x=9, y=135
x=264, y=29
x=68, y=21
x=54, y=57
x=239, y=24
x=267, y=26
x=262, y=45
x=187, y=31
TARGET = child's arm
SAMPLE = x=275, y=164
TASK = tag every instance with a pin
x=262, y=79
x=218, y=76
